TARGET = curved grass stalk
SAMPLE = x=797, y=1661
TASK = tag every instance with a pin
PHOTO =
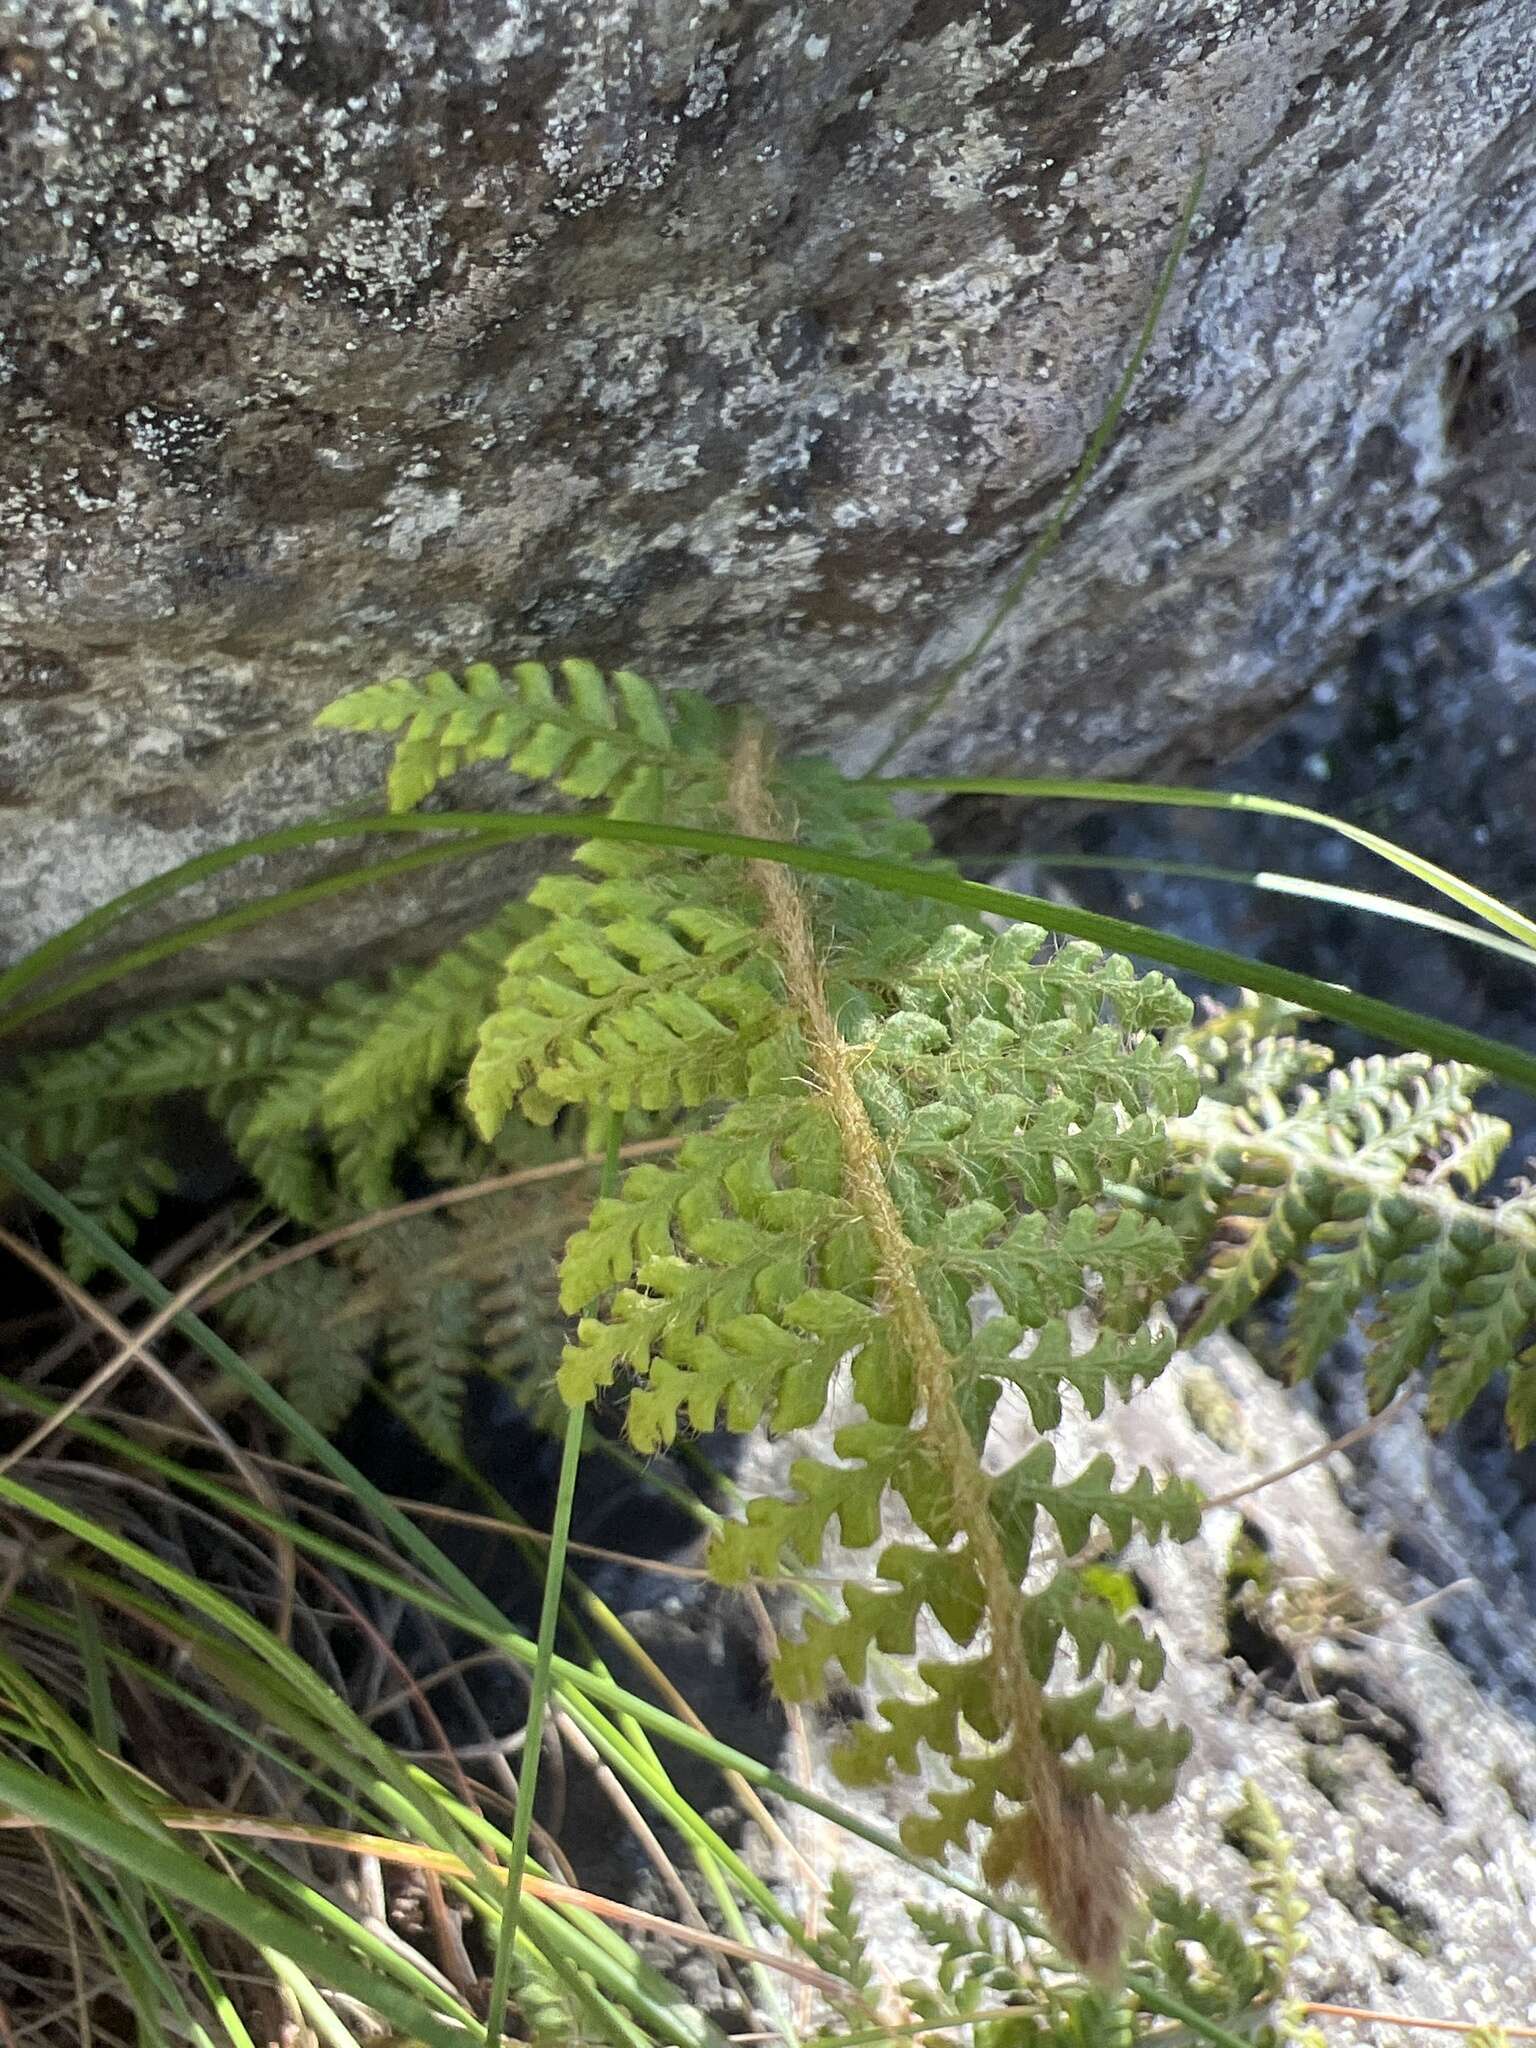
x=1502, y=916
x=1301, y=887
x=1045, y=544
x=539, y=1689
x=1388, y=1021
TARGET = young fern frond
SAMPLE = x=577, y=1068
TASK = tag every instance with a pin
x=297, y=1332
x=1253, y=1827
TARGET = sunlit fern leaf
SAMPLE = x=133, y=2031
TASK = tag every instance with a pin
x=591, y=735
x=733, y=1280
x=636, y=995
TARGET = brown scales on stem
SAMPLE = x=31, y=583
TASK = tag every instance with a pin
x=1067, y=1847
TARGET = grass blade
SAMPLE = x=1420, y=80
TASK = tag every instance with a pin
x=1503, y=916
x=158, y=1861
x=541, y=1684
x=1387, y=1021
x=1082, y=476
x=1301, y=887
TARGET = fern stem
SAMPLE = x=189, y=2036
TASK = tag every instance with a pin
x=542, y=1683
x=1074, y=1852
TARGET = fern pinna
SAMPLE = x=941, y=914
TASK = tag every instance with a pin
x=918, y=1114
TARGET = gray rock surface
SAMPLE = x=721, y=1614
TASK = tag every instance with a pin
x=747, y=342
x=1405, y=1776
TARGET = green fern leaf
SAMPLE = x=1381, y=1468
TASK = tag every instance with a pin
x=594, y=737
x=119, y=1185
x=299, y=1333
x=424, y=1035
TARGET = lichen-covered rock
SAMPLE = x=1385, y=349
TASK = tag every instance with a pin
x=747, y=342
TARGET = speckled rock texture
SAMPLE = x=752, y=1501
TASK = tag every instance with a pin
x=1387, y=1716
x=748, y=342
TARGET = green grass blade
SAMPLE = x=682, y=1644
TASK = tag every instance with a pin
x=219, y=2001
x=540, y=1686
x=1387, y=1021
x=1502, y=916
x=1301, y=887
x=163, y=1863
x=227, y=922
x=597, y=1690
x=144, y=895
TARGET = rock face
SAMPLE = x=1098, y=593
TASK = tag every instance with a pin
x=746, y=342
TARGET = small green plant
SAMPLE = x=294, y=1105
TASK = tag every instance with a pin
x=883, y=1114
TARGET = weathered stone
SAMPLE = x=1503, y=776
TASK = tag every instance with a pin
x=746, y=342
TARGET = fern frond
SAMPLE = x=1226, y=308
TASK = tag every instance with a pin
x=637, y=996
x=842, y=1948
x=1279, y=1911
x=424, y=1034
x=977, y=1965
x=296, y=1325
x=66, y=1102
x=431, y=1346
x=1003, y=1089
x=277, y=1128
x=1203, y=1958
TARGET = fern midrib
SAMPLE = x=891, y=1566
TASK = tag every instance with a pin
x=1083, y=1878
